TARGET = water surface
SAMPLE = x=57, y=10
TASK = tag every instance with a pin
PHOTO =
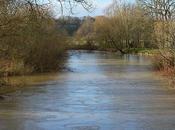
x=103, y=91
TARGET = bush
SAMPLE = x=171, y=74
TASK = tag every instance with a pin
x=165, y=64
x=47, y=55
x=29, y=39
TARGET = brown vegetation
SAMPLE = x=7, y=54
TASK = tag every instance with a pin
x=29, y=41
x=164, y=34
x=123, y=28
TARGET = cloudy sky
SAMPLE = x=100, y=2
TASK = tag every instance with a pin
x=79, y=11
x=100, y=5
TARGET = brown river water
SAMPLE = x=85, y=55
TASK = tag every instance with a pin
x=101, y=91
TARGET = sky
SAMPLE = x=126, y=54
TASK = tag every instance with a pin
x=100, y=5
x=79, y=11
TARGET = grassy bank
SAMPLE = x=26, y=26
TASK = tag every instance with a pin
x=14, y=83
x=141, y=51
x=164, y=62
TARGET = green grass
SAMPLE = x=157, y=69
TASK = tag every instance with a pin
x=148, y=51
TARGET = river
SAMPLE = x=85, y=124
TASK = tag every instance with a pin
x=101, y=91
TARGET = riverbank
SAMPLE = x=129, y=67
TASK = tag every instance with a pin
x=140, y=51
x=16, y=75
x=160, y=64
x=143, y=51
x=12, y=83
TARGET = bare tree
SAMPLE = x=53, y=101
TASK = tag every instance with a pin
x=65, y=5
x=159, y=9
x=125, y=27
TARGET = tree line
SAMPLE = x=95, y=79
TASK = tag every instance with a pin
x=124, y=26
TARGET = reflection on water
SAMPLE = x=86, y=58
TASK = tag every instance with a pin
x=103, y=91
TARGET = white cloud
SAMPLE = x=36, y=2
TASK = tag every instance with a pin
x=100, y=5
